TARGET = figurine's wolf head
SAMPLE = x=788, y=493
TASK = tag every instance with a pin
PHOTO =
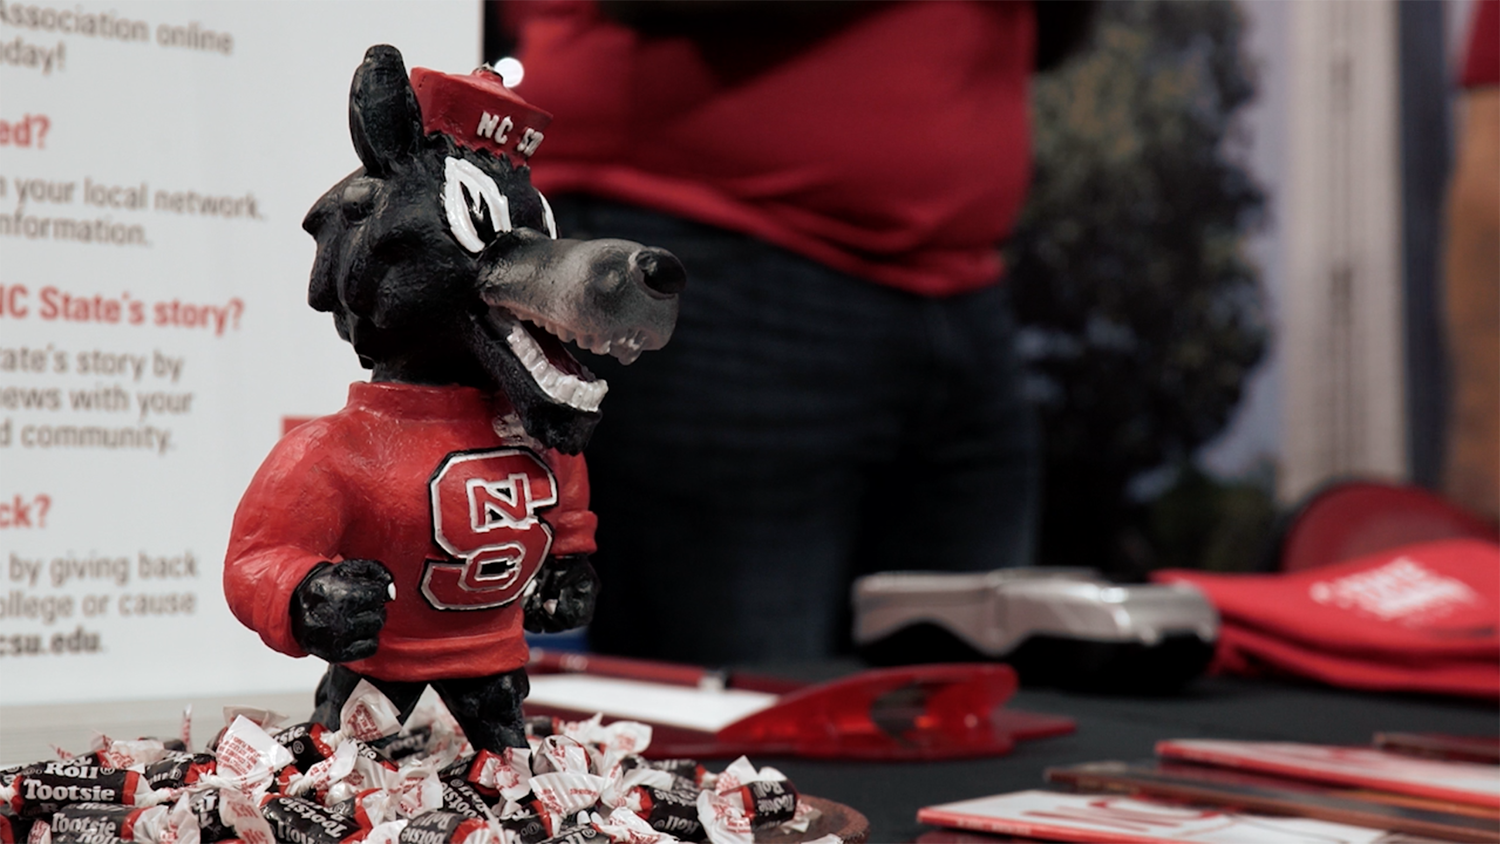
x=441, y=264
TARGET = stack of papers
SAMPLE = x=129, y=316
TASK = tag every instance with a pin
x=1238, y=792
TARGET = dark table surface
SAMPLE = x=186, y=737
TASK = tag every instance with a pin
x=1120, y=728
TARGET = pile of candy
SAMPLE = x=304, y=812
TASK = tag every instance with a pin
x=378, y=781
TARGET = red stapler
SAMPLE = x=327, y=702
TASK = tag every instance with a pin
x=922, y=712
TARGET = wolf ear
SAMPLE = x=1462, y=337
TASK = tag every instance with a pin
x=384, y=118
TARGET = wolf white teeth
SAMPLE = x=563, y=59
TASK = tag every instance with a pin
x=627, y=349
x=558, y=385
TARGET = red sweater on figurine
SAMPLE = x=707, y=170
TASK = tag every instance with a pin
x=418, y=478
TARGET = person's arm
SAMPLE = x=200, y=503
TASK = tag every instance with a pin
x=1472, y=305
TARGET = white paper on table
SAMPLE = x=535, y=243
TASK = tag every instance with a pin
x=678, y=706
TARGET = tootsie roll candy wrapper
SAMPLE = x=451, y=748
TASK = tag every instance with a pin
x=38, y=791
x=577, y=782
x=441, y=826
x=298, y=821
x=97, y=823
x=177, y=769
x=669, y=811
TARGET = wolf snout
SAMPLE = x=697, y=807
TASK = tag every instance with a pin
x=660, y=271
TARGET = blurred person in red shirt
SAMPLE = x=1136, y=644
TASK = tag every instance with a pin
x=842, y=394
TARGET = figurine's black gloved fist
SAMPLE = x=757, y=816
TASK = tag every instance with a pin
x=338, y=610
x=564, y=595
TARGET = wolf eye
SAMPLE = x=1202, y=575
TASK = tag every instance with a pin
x=477, y=211
x=358, y=200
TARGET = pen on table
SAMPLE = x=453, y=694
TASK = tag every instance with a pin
x=626, y=669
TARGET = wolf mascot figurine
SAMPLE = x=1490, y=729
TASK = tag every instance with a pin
x=409, y=538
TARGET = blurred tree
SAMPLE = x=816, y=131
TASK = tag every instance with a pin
x=1142, y=315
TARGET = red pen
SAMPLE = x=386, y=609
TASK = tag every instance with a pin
x=561, y=662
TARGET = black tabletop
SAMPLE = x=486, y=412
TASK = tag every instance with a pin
x=1121, y=728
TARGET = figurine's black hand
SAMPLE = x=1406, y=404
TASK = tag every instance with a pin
x=338, y=610
x=564, y=596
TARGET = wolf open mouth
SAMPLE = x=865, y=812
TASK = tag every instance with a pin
x=538, y=344
x=611, y=297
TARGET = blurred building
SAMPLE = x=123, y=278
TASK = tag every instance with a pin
x=1352, y=142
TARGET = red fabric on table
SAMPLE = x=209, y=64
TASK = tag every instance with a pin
x=1422, y=617
x=1246, y=651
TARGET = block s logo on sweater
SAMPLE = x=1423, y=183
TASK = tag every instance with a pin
x=484, y=515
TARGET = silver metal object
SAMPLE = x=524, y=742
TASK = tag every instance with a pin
x=997, y=611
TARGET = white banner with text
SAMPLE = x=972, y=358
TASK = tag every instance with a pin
x=156, y=160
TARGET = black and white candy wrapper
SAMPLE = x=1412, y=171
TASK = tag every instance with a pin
x=577, y=782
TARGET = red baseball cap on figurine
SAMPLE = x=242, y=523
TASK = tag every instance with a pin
x=477, y=111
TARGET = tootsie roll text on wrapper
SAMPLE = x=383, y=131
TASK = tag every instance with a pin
x=378, y=781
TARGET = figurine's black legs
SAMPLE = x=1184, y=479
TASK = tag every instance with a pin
x=487, y=708
x=339, y=682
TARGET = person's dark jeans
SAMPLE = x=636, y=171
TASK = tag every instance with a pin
x=803, y=427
